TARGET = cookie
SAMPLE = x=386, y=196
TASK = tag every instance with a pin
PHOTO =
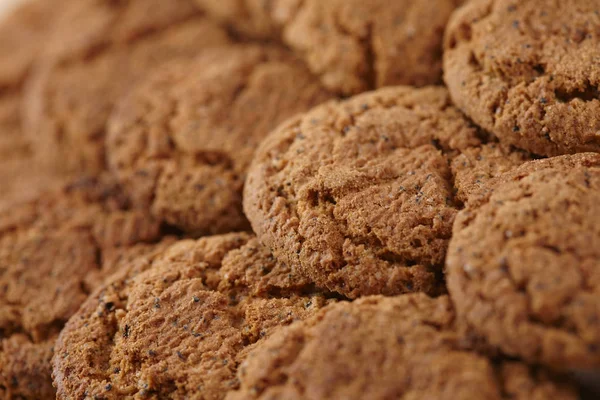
x=177, y=326
x=52, y=253
x=358, y=194
x=354, y=45
x=527, y=71
x=22, y=33
x=385, y=348
x=99, y=50
x=476, y=166
x=182, y=141
x=522, y=266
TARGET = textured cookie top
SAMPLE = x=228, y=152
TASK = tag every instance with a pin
x=384, y=348
x=182, y=141
x=101, y=48
x=177, y=325
x=354, y=45
x=528, y=71
x=522, y=265
x=52, y=253
x=358, y=194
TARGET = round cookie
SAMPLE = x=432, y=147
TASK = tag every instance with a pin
x=358, y=194
x=98, y=51
x=181, y=142
x=522, y=266
x=385, y=348
x=528, y=72
x=353, y=45
x=52, y=254
x=177, y=326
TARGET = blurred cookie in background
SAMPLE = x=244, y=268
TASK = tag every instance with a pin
x=355, y=45
x=181, y=141
x=23, y=30
x=98, y=50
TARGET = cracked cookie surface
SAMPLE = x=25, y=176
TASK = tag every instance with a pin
x=52, y=254
x=353, y=45
x=177, y=325
x=358, y=194
x=522, y=265
x=98, y=51
x=527, y=72
x=385, y=348
x=181, y=142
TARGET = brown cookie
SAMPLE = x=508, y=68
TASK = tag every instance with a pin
x=358, y=194
x=52, y=254
x=100, y=48
x=177, y=326
x=181, y=142
x=528, y=71
x=522, y=265
x=476, y=166
x=353, y=45
x=22, y=34
x=358, y=45
x=385, y=348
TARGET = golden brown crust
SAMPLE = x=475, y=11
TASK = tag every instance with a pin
x=527, y=71
x=385, y=348
x=100, y=48
x=358, y=194
x=182, y=141
x=522, y=262
x=176, y=325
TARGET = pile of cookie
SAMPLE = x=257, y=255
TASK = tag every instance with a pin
x=300, y=199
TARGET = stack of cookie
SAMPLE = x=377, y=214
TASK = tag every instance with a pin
x=285, y=199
